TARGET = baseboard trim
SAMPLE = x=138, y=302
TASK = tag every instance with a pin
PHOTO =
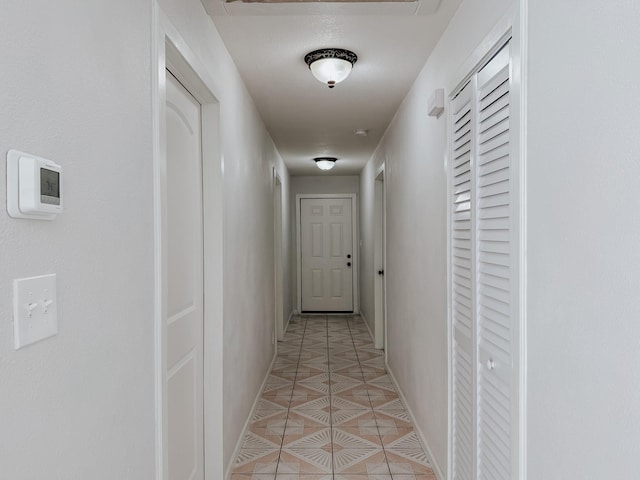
x=366, y=324
x=288, y=321
x=236, y=450
x=436, y=468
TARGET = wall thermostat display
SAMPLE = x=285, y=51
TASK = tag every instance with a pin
x=34, y=186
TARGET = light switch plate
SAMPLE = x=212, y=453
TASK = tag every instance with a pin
x=35, y=309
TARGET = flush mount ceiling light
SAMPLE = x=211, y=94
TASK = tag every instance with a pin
x=331, y=65
x=325, y=163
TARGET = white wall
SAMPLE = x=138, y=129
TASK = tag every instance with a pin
x=312, y=184
x=413, y=150
x=583, y=240
x=76, y=88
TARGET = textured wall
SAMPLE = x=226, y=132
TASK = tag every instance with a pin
x=76, y=88
x=413, y=150
x=582, y=242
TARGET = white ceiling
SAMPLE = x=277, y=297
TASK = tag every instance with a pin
x=305, y=118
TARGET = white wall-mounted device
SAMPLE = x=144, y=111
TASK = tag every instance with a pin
x=34, y=186
x=35, y=309
x=435, y=105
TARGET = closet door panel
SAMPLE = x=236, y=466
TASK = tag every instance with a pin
x=462, y=291
x=494, y=272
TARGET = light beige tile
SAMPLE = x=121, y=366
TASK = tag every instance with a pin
x=356, y=438
x=402, y=476
x=305, y=460
x=307, y=438
x=301, y=399
x=343, y=401
x=353, y=418
x=363, y=460
x=392, y=418
x=303, y=476
x=252, y=476
x=257, y=461
x=277, y=390
x=408, y=461
x=310, y=417
x=271, y=435
x=363, y=476
x=404, y=438
x=269, y=419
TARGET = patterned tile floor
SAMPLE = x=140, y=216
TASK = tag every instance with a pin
x=329, y=411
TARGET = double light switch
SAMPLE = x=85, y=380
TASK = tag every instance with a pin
x=35, y=309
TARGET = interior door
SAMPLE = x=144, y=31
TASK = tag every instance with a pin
x=484, y=253
x=327, y=261
x=184, y=347
x=495, y=279
x=462, y=318
x=380, y=327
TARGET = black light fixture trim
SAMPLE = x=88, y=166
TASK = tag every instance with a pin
x=340, y=53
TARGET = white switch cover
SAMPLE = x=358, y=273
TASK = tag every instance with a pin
x=35, y=309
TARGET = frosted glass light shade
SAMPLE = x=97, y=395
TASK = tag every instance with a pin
x=331, y=65
x=325, y=163
x=331, y=70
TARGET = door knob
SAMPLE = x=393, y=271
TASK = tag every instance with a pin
x=491, y=364
x=380, y=272
x=349, y=255
x=348, y=264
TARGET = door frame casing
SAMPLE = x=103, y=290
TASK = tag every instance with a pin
x=171, y=51
x=380, y=260
x=354, y=240
x=278, y=257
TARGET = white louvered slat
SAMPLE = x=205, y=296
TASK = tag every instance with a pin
x=493, y=275
x=462, y=290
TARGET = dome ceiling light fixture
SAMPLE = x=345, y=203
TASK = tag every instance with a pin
x=325, y=163
x=330, y=65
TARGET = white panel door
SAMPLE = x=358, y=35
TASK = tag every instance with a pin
x=326, y=243
x=184, y=354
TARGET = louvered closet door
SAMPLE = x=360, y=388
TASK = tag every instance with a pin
x=462, y=290
x=483, y=308
x=494, y=272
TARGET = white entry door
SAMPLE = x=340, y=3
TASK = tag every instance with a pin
x=184, y=354
x=327, y=261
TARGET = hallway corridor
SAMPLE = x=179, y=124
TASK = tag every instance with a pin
x=329, y=411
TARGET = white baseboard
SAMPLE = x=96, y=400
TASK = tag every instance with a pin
x=366, y=324
x=286, y=325
x=236, y=450
x=436, y=468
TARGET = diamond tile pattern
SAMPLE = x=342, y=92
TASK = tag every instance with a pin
x=330, y=411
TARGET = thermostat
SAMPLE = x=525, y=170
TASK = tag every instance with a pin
x=34, y=186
